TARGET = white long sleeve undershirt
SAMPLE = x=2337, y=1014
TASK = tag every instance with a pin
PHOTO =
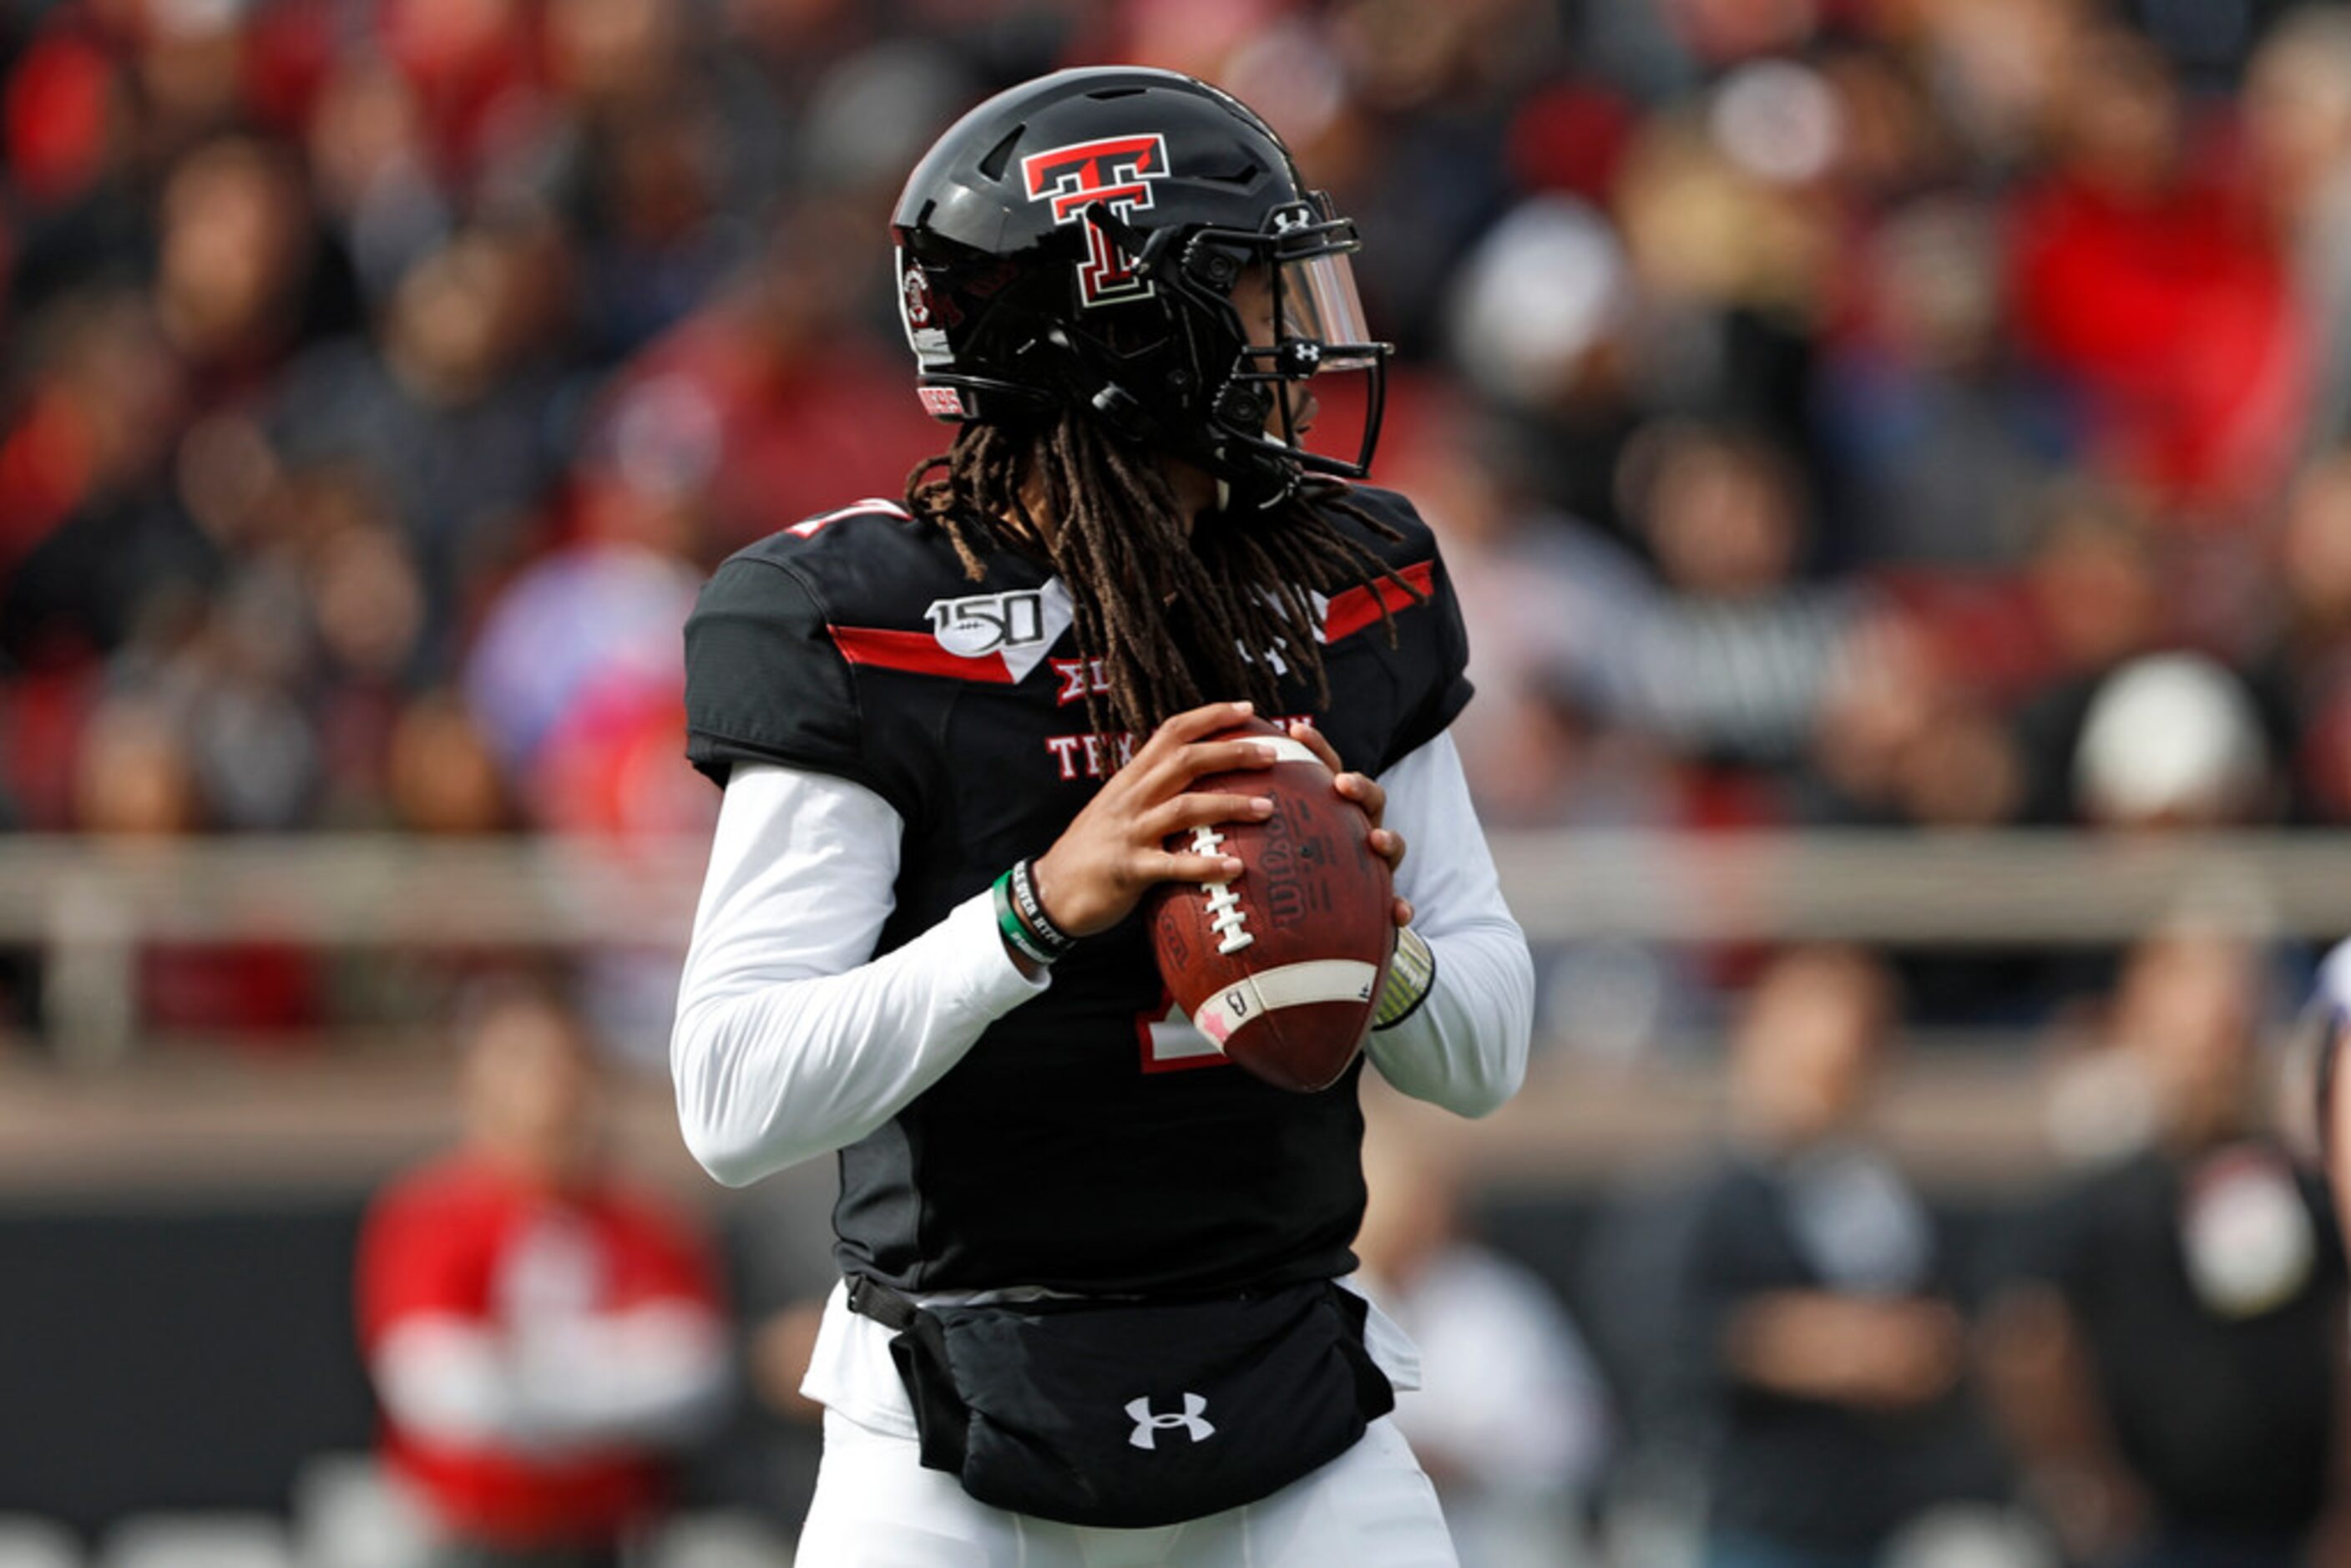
x=792, y=1040
x=1465, y=1048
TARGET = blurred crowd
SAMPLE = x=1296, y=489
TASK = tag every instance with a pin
x=2139, y=1364
x=1919, y=413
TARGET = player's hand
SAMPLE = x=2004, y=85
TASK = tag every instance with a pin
x=1115, y=850
x=1365, y=792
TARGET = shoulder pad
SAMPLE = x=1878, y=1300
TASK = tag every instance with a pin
x=871, y=564
x=1417, y=542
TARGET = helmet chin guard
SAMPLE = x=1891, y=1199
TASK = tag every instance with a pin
x=1138, y=244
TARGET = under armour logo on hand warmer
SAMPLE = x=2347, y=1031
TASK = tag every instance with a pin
x=1147, y=1426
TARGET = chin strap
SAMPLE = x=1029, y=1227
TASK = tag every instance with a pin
x=1258, y=487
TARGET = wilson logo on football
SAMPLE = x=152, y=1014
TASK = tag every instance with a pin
x=983, y=623
x=1116, y=170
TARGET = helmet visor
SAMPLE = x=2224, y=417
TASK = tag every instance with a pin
x=1318, y=304
x=1323, y=373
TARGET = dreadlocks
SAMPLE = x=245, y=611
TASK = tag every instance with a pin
x=1170, y=609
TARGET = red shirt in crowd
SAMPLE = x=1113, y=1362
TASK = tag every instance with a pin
x=462, y=1240
x=2174, y=314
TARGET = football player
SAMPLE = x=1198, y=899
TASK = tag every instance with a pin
x=1093, y=1306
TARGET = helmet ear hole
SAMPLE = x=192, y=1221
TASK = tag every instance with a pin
x=1214, y=267
x=1243, y=407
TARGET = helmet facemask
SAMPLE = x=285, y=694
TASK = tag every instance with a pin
x=1247, y=320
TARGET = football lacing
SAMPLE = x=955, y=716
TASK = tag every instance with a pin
x=1226, y=917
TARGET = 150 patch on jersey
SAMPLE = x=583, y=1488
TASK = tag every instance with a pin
x=982, y=623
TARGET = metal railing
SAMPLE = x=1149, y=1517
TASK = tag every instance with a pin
x=89, y=905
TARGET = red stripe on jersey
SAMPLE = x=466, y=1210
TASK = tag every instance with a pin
x=810, y=529
x=916, y=652
x=1357, y=608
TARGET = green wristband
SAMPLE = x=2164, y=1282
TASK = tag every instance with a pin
x=1021, y=884
x=1017, y=935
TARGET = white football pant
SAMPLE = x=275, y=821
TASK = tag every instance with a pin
x=877, y=1507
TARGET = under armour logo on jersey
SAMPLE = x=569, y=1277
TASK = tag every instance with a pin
x=1114, y=170
x=1147, y=1427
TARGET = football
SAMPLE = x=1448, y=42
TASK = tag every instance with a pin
x=1280, y=967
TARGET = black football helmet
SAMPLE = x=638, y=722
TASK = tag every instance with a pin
x=1077, y=241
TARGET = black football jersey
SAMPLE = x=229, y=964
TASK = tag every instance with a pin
x=1090, y=1140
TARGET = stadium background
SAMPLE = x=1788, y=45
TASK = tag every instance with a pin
x=1891, y=452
